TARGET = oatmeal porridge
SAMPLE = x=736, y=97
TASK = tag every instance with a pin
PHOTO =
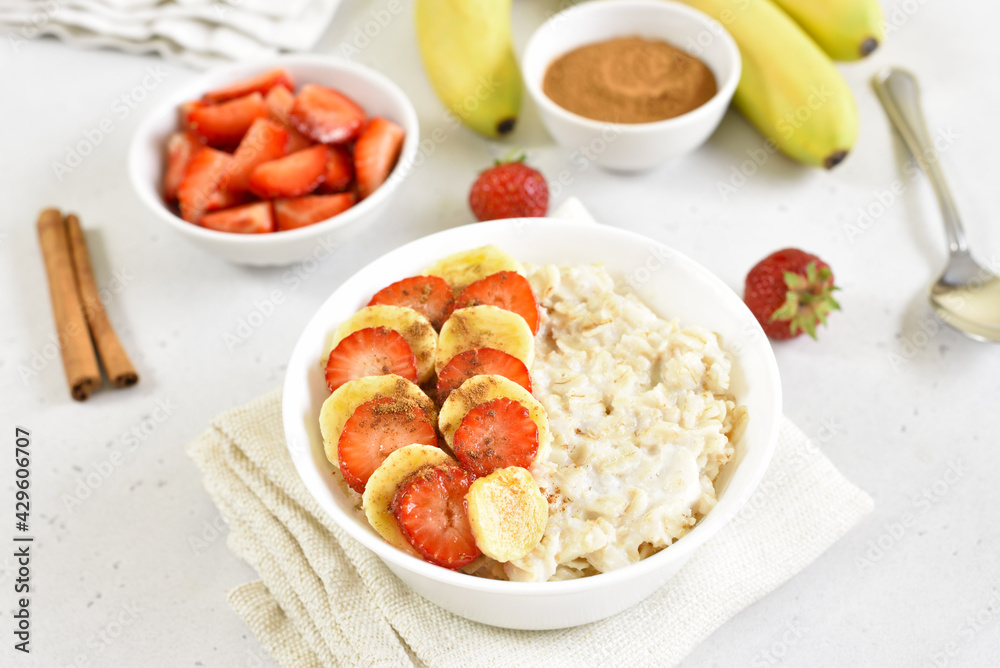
x=642, y=420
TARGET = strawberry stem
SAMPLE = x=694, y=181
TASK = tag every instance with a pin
x=513, y=155
x=808, y=299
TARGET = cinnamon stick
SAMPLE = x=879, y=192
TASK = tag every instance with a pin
x=116, y=362
x=79, y=360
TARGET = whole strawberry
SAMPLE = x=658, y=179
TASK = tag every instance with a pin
x=509, y=189
x=788, y=292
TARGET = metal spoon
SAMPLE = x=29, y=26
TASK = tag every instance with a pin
x=967, y=295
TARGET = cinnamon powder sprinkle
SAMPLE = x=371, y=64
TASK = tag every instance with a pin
x=629, y=80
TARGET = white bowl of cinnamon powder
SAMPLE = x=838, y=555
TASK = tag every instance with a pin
x=631, y=84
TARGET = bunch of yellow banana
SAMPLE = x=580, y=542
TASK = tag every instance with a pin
x=790, y=88
x=845, y=29
x=468, y=55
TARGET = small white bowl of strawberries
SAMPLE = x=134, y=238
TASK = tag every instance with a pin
x=272, y=163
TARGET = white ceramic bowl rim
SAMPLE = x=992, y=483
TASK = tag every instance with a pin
x=194, y=90
x=724, y=89
x=726, y=509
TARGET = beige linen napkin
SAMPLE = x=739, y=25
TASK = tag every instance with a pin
x=324, y=600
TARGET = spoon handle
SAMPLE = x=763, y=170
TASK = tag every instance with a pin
x=900, y=95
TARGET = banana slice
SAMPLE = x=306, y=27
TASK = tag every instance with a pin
x=386, y=479
x=507, y=512
x=460, y=269
x=340, y=405
x=480, y=389
x=415, y=328
x=485, y=326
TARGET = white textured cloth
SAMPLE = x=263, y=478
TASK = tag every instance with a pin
x=325, y=600
x=197, y=33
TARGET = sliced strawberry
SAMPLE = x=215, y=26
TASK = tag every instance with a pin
x=181, y=149
x=430, y=296
x=301, y=211
x=375, y=154
x=253, y=218
x=224, y=198
x=279, y=101
x=480, y=361
x=374, y=351
x=261, y=83
x=508, y=290
x=494, y=435
x=339, y=171
x=263, y=142
x=430, y=510
x=377, y=428
x=185, y=110
x=223, y=125
x=295, y=174
x=206, y=174
x=326, y=115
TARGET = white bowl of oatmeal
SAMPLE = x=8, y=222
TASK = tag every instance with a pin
x=663, y=399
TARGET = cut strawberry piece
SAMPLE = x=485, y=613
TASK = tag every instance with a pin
x=301, y=211
x=477, y=362
x=508, y=290
x=206, y=174
x=224, y=198
x=339, y=171
x=494, y=435
x=263, y=142
x=377, y=428
x=262, y=84
x=430, y=510
x=253, y=218
x=279, y=101
x=185, y=110
x=181, y=149
x=295, y=174
x=296, y=140
x=430, y=296
x=373, y=351
x=375, y=154
x=326, y=115
x=223, y=125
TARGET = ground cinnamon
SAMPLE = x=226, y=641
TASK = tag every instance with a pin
x=629, y=80
x=117, y=364
x=79, y=360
